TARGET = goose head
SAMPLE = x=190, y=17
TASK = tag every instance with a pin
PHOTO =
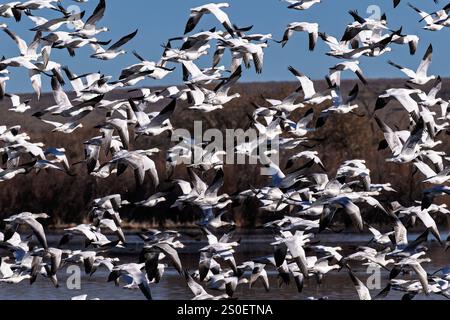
x=41, y=216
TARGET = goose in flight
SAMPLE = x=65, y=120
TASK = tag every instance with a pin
x=26, y=51
x=221, y=248
x=380, y=238
x=147, y=68
x=300, y=129
x=137, y=160
x=196, y=75
x=311, y=97
x=152, y=201
x=17, y=106
x=44, y=25
x=67, y=128
x=340, y=105
x=152, y=253
x=217, y=98
x=353, y=66
x=113, y=51
x=311, y=28
x=430, y=100
x=9, y=174
x=89, y=28
x=36, y=5
x=301, y=4
x=30, y=219
x=365, y=30
x=361, y=288
x=403, y=96
x=138, y=277
x=431, y=176
x=432, y=24
x=156, y=125
x=411, y=40
x=310, y=155
x=254, y=51
x=86, y=230
x=430, y=194
x=341, y=50
x=211, y=8
x=9, y=10
x=420, y=76
x=415, y=262
x=200, y=292
x=396, y=3
x=295, y=244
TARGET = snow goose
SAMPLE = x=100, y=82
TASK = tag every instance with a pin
x=113, y=51
x=9, y=10
x=301, y=4
x=352, y=66
x=415, y=263
x=412, y=41
x=420, y=76
x=311, y=28
x=221, y=248
x=9, y=174
x=310, y=95
x=160, y=250
x=300, y=129
x=37, y=5
x=85, y=230
x=430, y=100
x=66, y=128
x=145, y=67
x=310, y=155
x=26, y=51
x=431, y=23
x=403, y=96
x=339, y=104
x=210, y=8
x=158, y=124
x=322, y=266
x=17, y=106
x=132, y=270
x=139, y=161
x=380, y=238
x=361, y=289
x=89, y=28
x=431, y=176
x=295, y=243
x=152, y=201
x=196, y=75
x=253, y=50
x=199, y=292
x=30, y=219
x=54, y=24
x=226, y=282
x=220, y=95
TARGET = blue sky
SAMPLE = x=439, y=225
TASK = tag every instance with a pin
x=159, y=20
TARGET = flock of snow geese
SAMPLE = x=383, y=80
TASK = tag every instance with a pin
x=306, y=193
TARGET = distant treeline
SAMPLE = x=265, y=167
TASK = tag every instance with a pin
x=344, y=137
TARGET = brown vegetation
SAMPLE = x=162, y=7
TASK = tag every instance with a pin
x=67, y=199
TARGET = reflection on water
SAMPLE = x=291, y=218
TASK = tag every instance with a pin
x=336, y=285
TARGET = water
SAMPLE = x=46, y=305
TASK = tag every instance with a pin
x=336, y=285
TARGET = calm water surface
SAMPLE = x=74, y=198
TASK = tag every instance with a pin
x=336, y=285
